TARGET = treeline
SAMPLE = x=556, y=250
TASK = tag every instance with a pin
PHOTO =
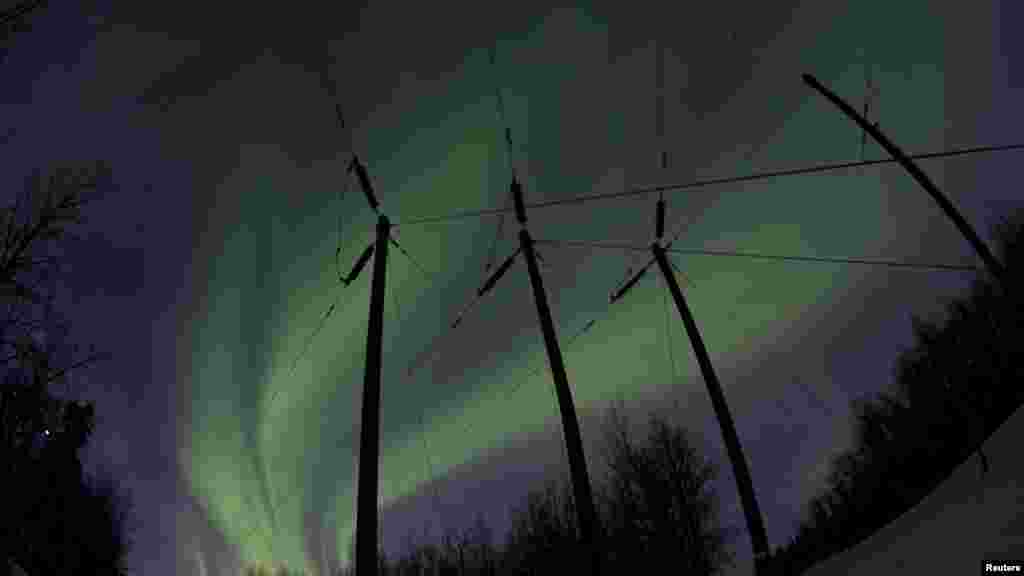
x=656, y=504
x=54, y=518
x=959, y=382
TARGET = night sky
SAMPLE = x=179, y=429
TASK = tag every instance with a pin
x=231, y=411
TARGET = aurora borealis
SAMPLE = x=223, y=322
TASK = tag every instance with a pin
x=271, y=448
x=265, y=394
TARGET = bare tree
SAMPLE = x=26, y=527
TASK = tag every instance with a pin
x=15, y=19
x=659, y=500
x=956, y=384
x=56, y=520
x=657, y=506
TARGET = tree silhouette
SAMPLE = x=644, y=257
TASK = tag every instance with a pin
x=56, y=519
x=543, y=536
x=953, y=388
x=15, y=19
x=659, y=501
x=657, y=505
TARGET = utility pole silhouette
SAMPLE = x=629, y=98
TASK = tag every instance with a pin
x=583, y=494
x=585, y=511
x=995, y=268
x=367, y=536
x=993, y=265
x=586, y=514
x=744, y=483
x=751, y=510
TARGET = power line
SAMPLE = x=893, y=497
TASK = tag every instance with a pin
x=890, y=263
x=757, y=255
x=327, y=81
x=331, y=88
x=537, y=370
x=568, y=343
x=642, y=191
x=424, y=357
x=590, y=324
x=306, y=346
x=337, y=230
x=427, y=354
x=415, y=263
x=396, y=315
x=503, y=124
x=323, y=319
x=668, y=335
x=419, y=361
x=397, y=319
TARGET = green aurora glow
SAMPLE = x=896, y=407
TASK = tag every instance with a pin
x=270, y=447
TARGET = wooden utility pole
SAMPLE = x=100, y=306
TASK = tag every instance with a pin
x=369, y=437
x=744, y=484
x=751, y=510
x=993, y=265
x=585, y=511
x=583, y=495
x=367, y=536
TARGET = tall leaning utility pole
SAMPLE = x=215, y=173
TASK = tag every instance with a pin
x=993, y=265
x=585, y=511
x=744, y=483
x=741, y=471
x=583, y=495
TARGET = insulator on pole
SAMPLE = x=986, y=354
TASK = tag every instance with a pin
x=359, y=265
x=497, y=274
x=632, y=281
x=364, y=181
x=660, y=219
x=517, y=196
